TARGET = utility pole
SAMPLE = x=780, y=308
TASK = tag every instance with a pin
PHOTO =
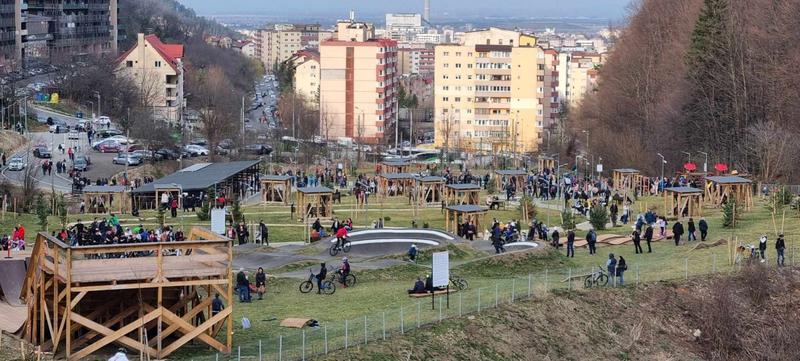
x=411, y=128
x=396, y=120
x=98, y=102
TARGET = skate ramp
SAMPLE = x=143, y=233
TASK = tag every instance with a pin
x=13, y=312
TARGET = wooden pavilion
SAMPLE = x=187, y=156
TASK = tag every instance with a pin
x=456, y=215
x=518, y=176
x=683, y=201
x=100, y=199
x=315, y=202
x=720, y=188
x=172, y=189
x=467, y=193
x=395, y=166
x=626, y=179
x=276, y=189
x=396, y=184
x=430, y=190
x=546, y=162
x=153, y=304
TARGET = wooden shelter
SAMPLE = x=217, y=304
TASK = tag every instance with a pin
x=720, y=188
x=518, y=176
x=680, y=201
x=396, y=184
x=173, y=190
x=395, y=166
x=546, y=162
x=455, y=215
x=430, y=190
x=467, y=193
x=626, y=179
x=276, y=189
x=100, y=199
x=315, y=202
x=153, y=304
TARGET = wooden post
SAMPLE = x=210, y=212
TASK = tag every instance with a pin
x=68, y=309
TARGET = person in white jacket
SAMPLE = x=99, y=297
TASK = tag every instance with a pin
x=121, y=355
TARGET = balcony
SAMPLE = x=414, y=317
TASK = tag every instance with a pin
x=76, y=6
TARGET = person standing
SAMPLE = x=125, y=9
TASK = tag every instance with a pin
x=556, y=236
x=614, y=210
x=591, y=240
x=261, y=283
x=323, y=273
x=622, y=266
x=173, y=206
x=571, y=243
x=677, y=232
x=648, y=237
x=263, y=231
x=780, y=247
x=703, y=226
x=691, y=229
x=611, y=266
x=637, y=241
x=243, y=284
x=216, y=305
x=762, y=247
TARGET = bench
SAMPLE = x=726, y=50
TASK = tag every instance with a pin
x=428, y=294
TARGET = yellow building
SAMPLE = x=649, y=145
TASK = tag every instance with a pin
x=307, y=75
x=157, y=69
x=277, y=44
x=493, y=94
x=358, y=84
x=577, y=75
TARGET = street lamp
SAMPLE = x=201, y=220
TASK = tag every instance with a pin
x=663, y=161
x=587, y=140
x=577, y=166
x=97, y=93
x=705, y=165
x=688, y=155
x=91, y=109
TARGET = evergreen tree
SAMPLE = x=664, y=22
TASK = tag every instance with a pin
x=42, y=211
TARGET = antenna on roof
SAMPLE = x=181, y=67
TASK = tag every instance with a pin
x=352, y=15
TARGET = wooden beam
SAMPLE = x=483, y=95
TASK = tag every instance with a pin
x=123, y=314
x=196, y=332
x=188, y=316
x=127, y=286
x=115, y=336
x=187, y=328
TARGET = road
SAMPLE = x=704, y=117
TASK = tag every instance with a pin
x=101, y=166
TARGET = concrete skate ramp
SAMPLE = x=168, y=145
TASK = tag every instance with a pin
x=523, y=244
x=12, y=275
x=376, y=242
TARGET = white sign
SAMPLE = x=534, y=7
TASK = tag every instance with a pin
x=218, y=220
x=441, y=269
x=599, y=168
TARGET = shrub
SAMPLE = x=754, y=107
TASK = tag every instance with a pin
x=491, y=187
x=387, y=219
x=204, y=214
x=567, y=219
x=730, y=213
x=42, y=211
x=598, y=217
x=527, y=205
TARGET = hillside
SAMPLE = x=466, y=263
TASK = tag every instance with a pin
x=735, y=318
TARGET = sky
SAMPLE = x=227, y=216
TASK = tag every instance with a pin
x=610, y=9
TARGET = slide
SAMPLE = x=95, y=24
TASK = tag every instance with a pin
x=13, y=312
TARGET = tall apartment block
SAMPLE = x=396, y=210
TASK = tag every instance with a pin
x=495, y=92
x=578, y=74
x=10, y=37
x=279, y=43
x=74, y=27
x=358, y=83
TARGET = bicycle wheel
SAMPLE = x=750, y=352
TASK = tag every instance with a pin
x=328, y=287
x=346, y=247
x=350, y=280
x=333, y=251
x=462, y=284
x=306, y=287
x=602, y=280
x=588, y=283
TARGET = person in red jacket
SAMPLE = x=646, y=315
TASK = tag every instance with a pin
x=20, y=232
x=341, y=234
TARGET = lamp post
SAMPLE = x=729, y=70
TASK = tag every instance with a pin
x=689, y=155
x=97, y=93
x=577, y=167
x=705, y=164
x=663, y=161
x=587, y=140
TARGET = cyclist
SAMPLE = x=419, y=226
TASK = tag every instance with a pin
x=323, y=273
x=344, y=271
x=341, y=235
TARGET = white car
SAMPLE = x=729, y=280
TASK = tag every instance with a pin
x=103, y=120
x=195, y=150
x=121, y=139
x=16, y=164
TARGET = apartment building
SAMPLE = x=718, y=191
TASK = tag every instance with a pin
x=245, y=47
x=358, y=83
x=494, y=92
x=415, y=58
x=402, y=27
x=157, y=69
x=10, y=36
x=76, y=28
x=307, y=75
x=577, y=73
x=279, y=43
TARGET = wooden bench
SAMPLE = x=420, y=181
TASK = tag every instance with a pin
x=428, y=294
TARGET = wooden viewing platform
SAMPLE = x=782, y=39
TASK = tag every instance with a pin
x=81, y=299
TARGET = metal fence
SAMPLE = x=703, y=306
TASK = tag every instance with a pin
x=302, y=344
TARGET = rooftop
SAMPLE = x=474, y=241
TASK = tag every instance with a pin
x=199, y=177
x=275, y=177
x=430, y=179
x=464, y=186
x=684, y=190
x=467, y=208
x=626, y=170
x=398, y=176
x=511, y=172
x=730, y=179
x=315, y=190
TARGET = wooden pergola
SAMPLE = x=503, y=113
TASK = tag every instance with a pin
x=79, y=303
x=456, y=215
x=103, y=196
x=276, y=189
x=626, y=179
x=430, y=190
x=546, y=162
x=467, y=193
x=172, y=189
x=395, y=166
x=683, y=200
x=517, y=175
x=720, y=188
x=405, y=183
x=315, y=202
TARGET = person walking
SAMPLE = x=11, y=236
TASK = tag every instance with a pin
x=611, y=266
x=703, y=226
x=762, y=248
x=591, y=240
x=622, y=266
x=571, y=243
x=637, y=241
x=614, y=209
x=677, y=232
x=691, y=229
x=263, y=232
x=648, y=237
x=780, y=247
x=216, y=305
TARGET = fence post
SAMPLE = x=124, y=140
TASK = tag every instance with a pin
x=791, y=263
x=216, y=357
x=529, y=285
x=366, y=333
x=402, y=321
x=459, y=303
x=280, y=348
x=479, y=300
x=259, y=351
x=546, y=280
x=496, y=288
x=440, y=309
x=418, y=307
x=714, y=263
x=637, y=274
x=325, y=335
x=383, y=317
x=345, y=335
x=569, y=279
x=686, y=267
x=304, y=346
x=513, y=289
x=239, y=353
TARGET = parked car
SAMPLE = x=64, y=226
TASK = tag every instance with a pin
x=167, y=153
x=131, y=159
x=258, y=149
x=110, y=147
x=41, y=151
x=103, y=121
x=106, y=133
x=121, y=139
x=83, y=125
x=16, y=164
x=195, y=150
x=96, y=145
x=80, y=164
x=199, y=141
x=148, y=155
x=59, y=126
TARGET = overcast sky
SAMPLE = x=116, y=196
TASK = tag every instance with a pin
x=613, y=9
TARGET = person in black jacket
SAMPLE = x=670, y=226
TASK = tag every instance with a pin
x=263, y=232
x=323, y=273
x=637, y=241
x=556, y=237
x=703, y=226
x=571, y=243
x=591, y=240
x=243, y=285
x=648, y=237
x=261, y=283
x=691, y=230
x=677, y=232
x=780, y=247
x=419, y=287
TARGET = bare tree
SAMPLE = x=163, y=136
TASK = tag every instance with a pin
x=217, y=106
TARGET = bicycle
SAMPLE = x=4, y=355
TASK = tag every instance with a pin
x=596, y=278
x=458, y=283
x=335, y=248
x=307, y=286
x=349, y=280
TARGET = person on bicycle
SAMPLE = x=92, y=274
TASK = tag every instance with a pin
x=341, y=235
x=344, y=271
x=323, y=273
x=412, y=253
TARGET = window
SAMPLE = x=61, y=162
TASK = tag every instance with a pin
x=469, y=66
x=457, y=99
x=458, y=53
x=446, y=88
x=446, y=53
x=158, y=64
x=446, y=65
x=445, y=99
x=458, y=65
x=129, y=64
x=540, y=66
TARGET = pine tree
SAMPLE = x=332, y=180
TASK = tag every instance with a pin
x=42, y=211
x=598, y=217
